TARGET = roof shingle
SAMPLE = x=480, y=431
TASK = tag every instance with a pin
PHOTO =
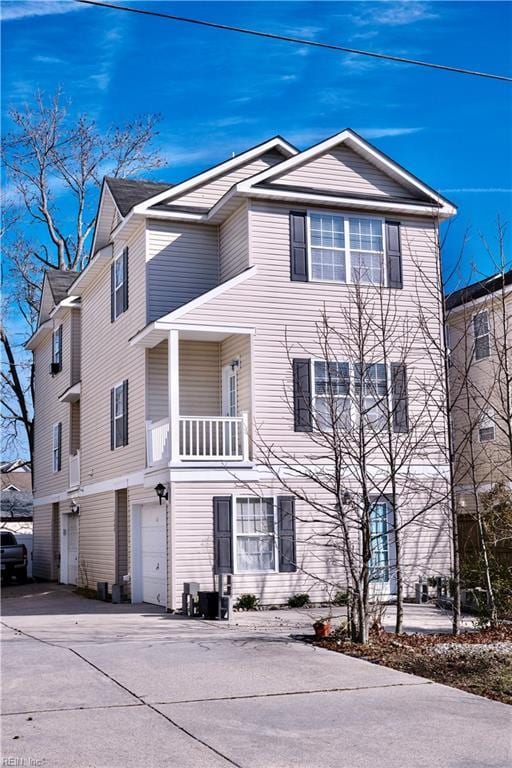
x=476, y=290
x=130, y=192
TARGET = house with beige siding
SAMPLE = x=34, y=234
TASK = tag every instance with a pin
x=172, y=359
x=479, y=331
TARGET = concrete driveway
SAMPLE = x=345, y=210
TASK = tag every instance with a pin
x=91, y=684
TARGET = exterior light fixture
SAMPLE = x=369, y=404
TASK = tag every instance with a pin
x=75, y=508
x=235, y=363
x=347, y=498
x=161, y=492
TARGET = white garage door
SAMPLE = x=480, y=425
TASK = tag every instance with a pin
x=154, y=555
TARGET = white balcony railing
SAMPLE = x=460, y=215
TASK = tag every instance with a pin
x=213, y=438
x=74, y=470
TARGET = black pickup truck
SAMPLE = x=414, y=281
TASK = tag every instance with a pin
x=13, y=558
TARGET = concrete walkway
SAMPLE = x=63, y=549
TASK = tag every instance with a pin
x=91, y=684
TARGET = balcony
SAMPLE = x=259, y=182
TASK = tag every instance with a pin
x=74, y=471
x=201, y=438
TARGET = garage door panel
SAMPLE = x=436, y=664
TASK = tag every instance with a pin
x=154, y=555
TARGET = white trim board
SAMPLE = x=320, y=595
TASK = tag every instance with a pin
x=363, y=148
x=218, y=170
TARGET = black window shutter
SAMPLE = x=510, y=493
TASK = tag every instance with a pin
x=394, y=254
x=302, y=395
x=59, y=345
x=53, y=347
x=399, y=397
x=59, y=446
x=112, y=420
x=286, y=531
x=112, y=293
x=125, y=278
x=223, y=534
x=125, y=412
x=298, y=247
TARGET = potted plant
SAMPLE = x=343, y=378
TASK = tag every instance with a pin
x=322, y=627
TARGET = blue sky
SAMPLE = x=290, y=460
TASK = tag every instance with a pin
x=219, y=92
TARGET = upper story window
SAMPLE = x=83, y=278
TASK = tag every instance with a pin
x=330, y=394
x=482, y=335
x=346, y=249
x=338, y=248
x=56, y=364
x=486, y=429
x=119, y=415
x=119, y=285
x=57, y=447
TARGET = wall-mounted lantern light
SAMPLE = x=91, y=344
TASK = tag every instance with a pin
x=161, y=492
x=75, y=508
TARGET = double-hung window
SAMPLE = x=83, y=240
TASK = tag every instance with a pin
x=332, y=394
x=379, y=545
x=119, y=415
x=57, y=447
x=366, y=251
x=482, y=335
x=328, y=258
x=486, y=429
x=346, y=249
x=119, y=285
x=255, y=539
x=56, y=365
x=371, y=389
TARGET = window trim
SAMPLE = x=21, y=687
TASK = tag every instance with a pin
x=119, y=257
x=353, y=410
x=235, y=498
x=390, y=545
x=57, y=346
x=486, y=421
x=485, y=310
x=119, y=385
x=56, y=447
x=346, y=215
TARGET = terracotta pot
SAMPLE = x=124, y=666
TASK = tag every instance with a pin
x=322, y=628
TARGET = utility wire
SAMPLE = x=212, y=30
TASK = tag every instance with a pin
x=298, y=40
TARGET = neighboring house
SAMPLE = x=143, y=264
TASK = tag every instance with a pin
x=16, y=502
x=165, y=363
x=479, y=323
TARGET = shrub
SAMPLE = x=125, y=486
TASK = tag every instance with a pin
x=299, y=601
x=341, y=598
x=246, y=602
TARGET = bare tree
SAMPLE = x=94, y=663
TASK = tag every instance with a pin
x=364, y=481
x=54, y=161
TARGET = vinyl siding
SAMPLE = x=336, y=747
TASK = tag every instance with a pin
x=207, y=195
x=343, y=170
x=121, y=531
x=108, y=359
x=285, y=314
x=96, y=561
x=75, y=346
x=74, y=432
x=182, y=263
x=234, y=244
x=426, y=547
x=49, y=411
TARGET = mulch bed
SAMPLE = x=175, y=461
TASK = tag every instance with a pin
x=479, y=662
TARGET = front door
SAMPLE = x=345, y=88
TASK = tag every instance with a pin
x=72, y=539
x=229, y=390
x=154, y=555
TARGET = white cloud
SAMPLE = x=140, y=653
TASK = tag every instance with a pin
x=228, y=122
x=478, y=190
x=12, y=10
x=379, y=133
x=48, y=60
x=287, y=78
x=396, y=14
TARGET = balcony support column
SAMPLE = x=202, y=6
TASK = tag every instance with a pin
x=173, y=394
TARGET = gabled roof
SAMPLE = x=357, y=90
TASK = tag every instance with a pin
x=59, y=282
x=130, y=192
x=276, y=142
x=366, y=150
x=479, y=289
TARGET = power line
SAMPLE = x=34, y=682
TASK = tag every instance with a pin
x=298, y=40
